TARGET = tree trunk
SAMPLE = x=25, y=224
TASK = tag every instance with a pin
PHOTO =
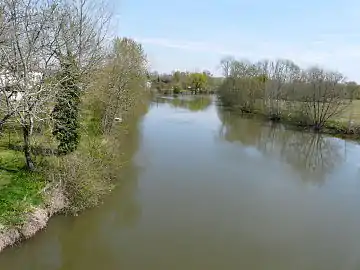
x=29, y=163
x=3, y=121
x=31, y=125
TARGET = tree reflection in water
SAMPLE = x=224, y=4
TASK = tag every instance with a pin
x=191, y=103
x=312, y=155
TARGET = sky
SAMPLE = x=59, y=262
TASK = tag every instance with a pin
x=196, y=34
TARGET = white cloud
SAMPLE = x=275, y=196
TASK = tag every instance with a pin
x=329, y=51
x=187, y=45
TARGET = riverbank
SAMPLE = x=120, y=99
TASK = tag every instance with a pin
x=66, y=184
x=175, y=92
x=28, y=199
x=66, y=153
x=339, y=126
x=35, y=219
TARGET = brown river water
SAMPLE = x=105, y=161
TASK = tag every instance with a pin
x=208, y=189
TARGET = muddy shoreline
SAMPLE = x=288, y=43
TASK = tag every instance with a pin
x=36, y=220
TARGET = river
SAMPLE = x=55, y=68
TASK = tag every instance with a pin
x=208, y=189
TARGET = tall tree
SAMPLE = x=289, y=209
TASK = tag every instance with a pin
x=66, y=110
x=79, y=50
x=126, y=68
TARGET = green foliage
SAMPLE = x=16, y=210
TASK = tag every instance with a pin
x=262, y=78
x=90, y=172
x=353, y=90
x=336, y=126
x=83, y=174
x=117, y=90
x=184, y=81
x=66, y=110
x=17, y=197
x=121, y=82
x=198, y=81
x=94, y=169
x=281, y=90
x=177, y=89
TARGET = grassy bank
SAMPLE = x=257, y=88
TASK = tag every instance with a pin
x=74, y=171
x=63, y=184
x=65, y=116
x=84, y=176
x=346, y=124
x=20, y=190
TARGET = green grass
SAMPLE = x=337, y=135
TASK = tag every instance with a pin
x=352, y=112
x=19, y=189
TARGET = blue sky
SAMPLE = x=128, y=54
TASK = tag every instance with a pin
x=196, y=34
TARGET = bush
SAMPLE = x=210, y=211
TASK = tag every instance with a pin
x=176, y=90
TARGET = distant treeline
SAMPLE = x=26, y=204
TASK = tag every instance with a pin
x=184, y=82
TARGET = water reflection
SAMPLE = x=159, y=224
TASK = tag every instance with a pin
x=202, y=203
x=312, y=155
x=191, y=103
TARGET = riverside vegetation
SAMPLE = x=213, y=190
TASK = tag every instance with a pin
x=68, y=100
x=281, y=91
x=184, y=82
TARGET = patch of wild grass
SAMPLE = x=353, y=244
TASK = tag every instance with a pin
x=19, y=189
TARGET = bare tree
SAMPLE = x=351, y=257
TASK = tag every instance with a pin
x=281, y=75
x=27, y=62
x=310, y=97
x=324, y=94
x=225, y=65
x=243, y=86
x=83, y=31
x=37, y=36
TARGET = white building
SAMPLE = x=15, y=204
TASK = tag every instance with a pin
x=8, y=82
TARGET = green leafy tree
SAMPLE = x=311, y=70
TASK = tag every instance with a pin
x=66, y=110
x=124, y=80
x=198, y=82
